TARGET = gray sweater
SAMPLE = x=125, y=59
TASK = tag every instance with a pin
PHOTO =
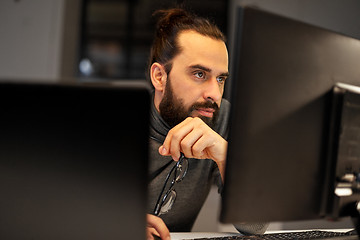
x=193, y=190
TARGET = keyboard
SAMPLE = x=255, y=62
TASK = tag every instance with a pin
x=323, y=235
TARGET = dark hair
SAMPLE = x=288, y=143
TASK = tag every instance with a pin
x=170, y=23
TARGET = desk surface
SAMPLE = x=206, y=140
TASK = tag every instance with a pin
x=194, y=235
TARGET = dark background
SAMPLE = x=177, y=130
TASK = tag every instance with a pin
x=116, y=35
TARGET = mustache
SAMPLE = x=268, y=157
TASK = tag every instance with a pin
x=207, y=104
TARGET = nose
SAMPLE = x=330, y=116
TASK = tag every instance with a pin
x=213, y=90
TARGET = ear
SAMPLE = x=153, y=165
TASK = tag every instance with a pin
x=158, y=76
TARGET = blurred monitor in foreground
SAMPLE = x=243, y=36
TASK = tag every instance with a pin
x=286, y=127
x=73, y=161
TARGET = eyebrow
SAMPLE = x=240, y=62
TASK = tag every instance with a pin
x=206, y=69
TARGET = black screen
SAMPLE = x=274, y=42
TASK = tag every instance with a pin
x=73, y=161
x=278, y=157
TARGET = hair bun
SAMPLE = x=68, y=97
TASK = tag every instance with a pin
x=170, y=17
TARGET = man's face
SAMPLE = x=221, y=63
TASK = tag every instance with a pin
x=195, y=84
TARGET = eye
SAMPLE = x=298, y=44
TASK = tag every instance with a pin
x=221, y=79
x=199, y=74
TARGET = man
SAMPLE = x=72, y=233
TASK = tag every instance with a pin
x=188, y=69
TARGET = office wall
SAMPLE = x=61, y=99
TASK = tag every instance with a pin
x=36, y=40
x=338, y=15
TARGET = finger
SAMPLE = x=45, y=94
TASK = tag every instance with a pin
x=188, y=141
x=175, y=136
x=159, y=226
x=201, y=131
x=201, y=149
x=163, y=151
x=211, y=146
x=150, y=233
x=165, y=148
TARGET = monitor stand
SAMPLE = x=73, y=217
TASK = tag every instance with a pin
x=356, y=217
x=353, y=210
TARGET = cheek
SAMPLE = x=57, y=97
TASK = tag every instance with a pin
x=186, y=89
x=191, y=96
x=187, y=92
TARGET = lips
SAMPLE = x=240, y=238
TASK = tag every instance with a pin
x=206, y=112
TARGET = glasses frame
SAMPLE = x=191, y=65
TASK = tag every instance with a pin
x=161, y=200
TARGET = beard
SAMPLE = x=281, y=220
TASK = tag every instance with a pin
x=173, y=111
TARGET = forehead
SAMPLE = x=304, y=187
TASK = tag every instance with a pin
x=203, y=50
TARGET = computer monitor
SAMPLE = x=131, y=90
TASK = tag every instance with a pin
x=279, y=165
x=73, y=160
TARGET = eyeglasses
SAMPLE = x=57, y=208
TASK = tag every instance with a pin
x=165, y=203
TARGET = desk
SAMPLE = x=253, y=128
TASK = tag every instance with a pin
x=194, y=235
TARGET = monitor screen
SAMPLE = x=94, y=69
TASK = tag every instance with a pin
x=73, y=160
x=284, y=72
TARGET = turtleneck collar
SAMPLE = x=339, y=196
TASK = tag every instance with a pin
x=158, y=127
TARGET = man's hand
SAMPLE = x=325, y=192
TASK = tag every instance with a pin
x=195, y=139
x=156, y=227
